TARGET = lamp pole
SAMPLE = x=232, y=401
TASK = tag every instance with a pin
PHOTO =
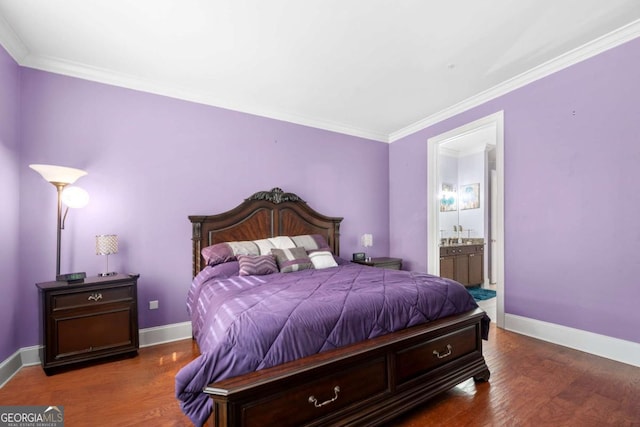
x=60, y=186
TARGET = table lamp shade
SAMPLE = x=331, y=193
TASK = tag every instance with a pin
x=106, y=244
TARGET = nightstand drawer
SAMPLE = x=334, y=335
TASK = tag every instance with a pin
x=92, y=297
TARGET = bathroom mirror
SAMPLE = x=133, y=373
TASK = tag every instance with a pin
x=464, y=166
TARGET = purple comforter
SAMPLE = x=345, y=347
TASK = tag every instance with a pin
x=246, y=323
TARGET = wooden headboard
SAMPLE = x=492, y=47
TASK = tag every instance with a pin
x=264, y=214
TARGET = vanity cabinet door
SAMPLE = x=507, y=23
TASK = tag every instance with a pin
x=462, y=269
x=476, y=269
x=446, y=267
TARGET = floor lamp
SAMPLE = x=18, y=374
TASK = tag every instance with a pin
x=60, y=177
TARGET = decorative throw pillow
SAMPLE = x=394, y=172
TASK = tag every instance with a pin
x=322, y=259
x=252, y=265
x=292, y=259
x=217, y=254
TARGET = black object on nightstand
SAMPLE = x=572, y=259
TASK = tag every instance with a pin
x=382, y=262
x=81, y=322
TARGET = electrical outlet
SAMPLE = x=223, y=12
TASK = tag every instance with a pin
x=153, y=305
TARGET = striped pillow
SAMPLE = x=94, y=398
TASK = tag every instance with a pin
x=292, y=259
x=322, y=259
x=251, y=265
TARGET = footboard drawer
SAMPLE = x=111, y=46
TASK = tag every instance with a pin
x=302, y=402
x=421, y=358
x=319, y=397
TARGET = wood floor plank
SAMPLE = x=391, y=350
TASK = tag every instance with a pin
x=533, y=383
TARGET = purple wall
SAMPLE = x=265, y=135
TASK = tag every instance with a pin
x=572, y=156
x=571, y=152
x=9, y=213
x=152, y=161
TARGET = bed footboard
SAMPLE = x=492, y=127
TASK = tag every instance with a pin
x=367, y=383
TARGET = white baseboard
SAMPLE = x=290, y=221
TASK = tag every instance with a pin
x=9, y=367
x=28, y=356
x=600, y=345
x=165, y=334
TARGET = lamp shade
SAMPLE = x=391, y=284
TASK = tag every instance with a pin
x=367, y=240
x=58, y=174
x=75, y=197
x=106, y=244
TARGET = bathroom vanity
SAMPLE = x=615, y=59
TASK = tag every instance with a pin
x=463, y=263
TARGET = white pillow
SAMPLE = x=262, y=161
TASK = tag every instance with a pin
x=282, y=242
x=265, y=246
x=322, y=259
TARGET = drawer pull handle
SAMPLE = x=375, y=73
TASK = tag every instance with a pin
x=313, y=400
x=95, y=297
x=443, y=355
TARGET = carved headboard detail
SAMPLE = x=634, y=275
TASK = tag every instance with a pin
x=263, y=214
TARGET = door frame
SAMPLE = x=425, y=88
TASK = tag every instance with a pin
x=433, y=240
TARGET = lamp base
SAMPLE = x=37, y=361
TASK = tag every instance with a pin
x=112, y=273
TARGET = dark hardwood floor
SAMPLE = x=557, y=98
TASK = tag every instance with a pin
x=532, y=383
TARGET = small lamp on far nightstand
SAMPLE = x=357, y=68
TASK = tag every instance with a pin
x=107, y=244
x=367, y=242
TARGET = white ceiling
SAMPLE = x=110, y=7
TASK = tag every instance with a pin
x=379, y=69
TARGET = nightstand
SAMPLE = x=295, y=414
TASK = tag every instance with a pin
x=383, y=262
x=94, y=319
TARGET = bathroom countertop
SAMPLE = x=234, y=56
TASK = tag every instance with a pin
x=465, y=242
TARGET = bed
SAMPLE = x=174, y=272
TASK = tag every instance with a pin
x=267, y=358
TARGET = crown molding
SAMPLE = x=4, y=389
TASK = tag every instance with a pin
x=20, y=53
x=579, y=54
x=11, y=42
x=99, y=75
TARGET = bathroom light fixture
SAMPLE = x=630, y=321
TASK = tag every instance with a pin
x=60, y=177
x=107, y=244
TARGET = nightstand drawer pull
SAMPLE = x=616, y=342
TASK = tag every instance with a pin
x=313, y=400
x=443, y=355
x=95, y=297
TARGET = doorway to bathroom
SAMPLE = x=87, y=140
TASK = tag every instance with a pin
x=466, y=194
